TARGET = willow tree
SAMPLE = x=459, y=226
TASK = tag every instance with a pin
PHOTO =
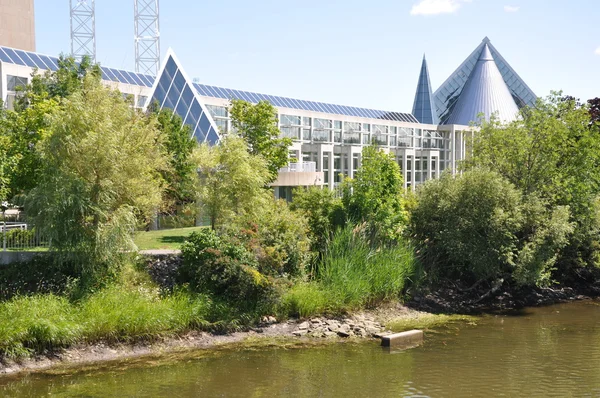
x=99, y=174
x=232, y=182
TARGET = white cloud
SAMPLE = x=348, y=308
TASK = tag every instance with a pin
x=435, y=7
x=597, y=51
x=511, y=8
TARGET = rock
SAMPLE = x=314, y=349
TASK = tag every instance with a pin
x=300, y=332
x=330, y=334
x=334, y=328
x=343, y=334
x=304, y=326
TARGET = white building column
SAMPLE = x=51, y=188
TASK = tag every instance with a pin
x=453, y=151
x=429, y=167
x=404, y=169
x=413, y=172
x=331, y=170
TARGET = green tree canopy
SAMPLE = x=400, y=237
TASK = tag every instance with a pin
x=232, y=181
x=478, y=226
x=257, y=124
x=99, y=172
x=179, y=145
x=375, y=194
x=551, y=152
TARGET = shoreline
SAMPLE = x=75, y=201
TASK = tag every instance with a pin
x=359, y=326
x=426, y=310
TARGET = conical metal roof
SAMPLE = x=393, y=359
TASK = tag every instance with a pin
x=423, y=107
x=484, y=92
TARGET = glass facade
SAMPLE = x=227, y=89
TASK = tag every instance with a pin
x=445, y=97
x=423, y=107
x=173, y=91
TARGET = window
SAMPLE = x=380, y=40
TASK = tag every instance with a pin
x=217, y=111
x=15, y=82
x=141, y=101
x=289, y=120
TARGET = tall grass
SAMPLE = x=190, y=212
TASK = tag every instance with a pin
x=118, y=313
x=353, y=274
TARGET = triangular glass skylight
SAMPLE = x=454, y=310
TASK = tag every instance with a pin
x=175, y=91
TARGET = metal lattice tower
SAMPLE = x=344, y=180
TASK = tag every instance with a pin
x=147, y=37
x=83, y=28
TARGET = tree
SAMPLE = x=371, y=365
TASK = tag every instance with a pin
x=232, y=181
x=551, y=152
x=257, y=124
x=99, y=173
x=26, y=128
x=181, y=176
x=478, y=227
x=594, y=109
x=375, y=195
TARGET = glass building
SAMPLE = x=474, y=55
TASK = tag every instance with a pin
x=327, y=138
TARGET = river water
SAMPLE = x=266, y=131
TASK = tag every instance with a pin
x=541, y=352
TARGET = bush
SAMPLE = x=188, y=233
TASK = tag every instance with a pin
x=279, y=241
x=212, y=264
x=323, y=212
x=476, y=226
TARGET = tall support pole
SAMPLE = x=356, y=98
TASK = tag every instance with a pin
x=83, y=28
x=147, y=36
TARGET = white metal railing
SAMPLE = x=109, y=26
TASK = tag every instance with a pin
x=300, y=167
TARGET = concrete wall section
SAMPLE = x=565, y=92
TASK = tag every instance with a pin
x=17, y=24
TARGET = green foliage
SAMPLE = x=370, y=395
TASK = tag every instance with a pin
x=99, y=173
x=181, y=176
x=68, y=79
x=477, y=226
x=552, y=152
x=118, y=314
x=323, y=211
x=214, y=265
x=232, y=182
x=36, y=324
x=353, y=274
x=278, y=239
x=375, y=195
x=257, y=124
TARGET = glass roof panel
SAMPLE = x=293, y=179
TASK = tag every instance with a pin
x=4, y=57
x=38, y=61
x=23, y=55
x=137, y=79
x=15, y=58
x=52, y=62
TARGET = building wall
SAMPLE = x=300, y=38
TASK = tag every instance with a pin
x=17, y=24
x=8, y=73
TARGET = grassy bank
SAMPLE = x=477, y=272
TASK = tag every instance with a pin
x=352, y=275
x=164, y=239
x=116, y=314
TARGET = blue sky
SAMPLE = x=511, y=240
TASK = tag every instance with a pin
x=362, y=53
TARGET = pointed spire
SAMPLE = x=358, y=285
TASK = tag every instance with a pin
x=423, y=108
x=485, y=92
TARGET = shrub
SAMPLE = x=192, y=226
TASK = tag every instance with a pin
x=476, y=226
x=279, y=241
x=323, y=212
x=212, y=264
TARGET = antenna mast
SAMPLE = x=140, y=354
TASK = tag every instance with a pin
x=147, y=36
x=83, y=28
